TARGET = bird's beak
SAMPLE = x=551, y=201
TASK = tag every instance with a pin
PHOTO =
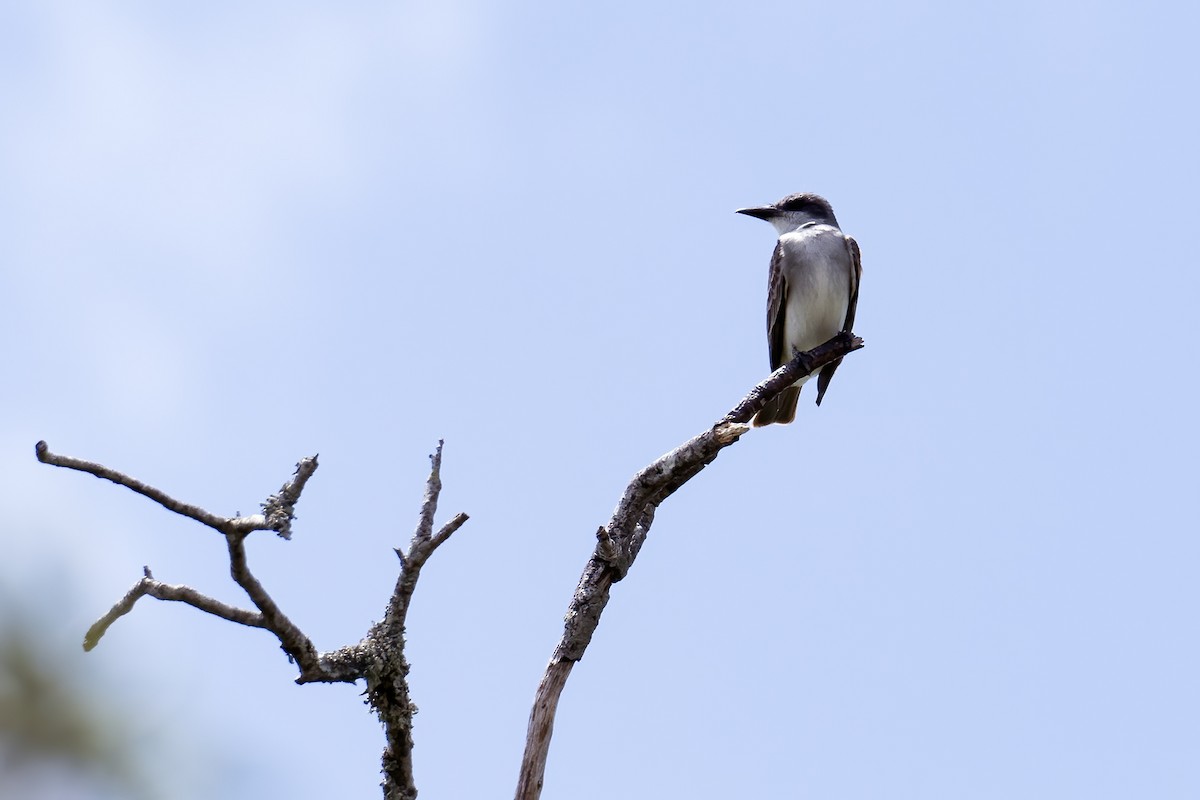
x=761, y=212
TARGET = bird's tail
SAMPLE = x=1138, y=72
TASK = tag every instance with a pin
x=782, y=409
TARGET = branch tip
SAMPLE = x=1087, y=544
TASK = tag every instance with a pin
x=730, y=432
x=279, y=509
x=448, y=529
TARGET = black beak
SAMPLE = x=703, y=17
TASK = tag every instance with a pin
x=761, y=212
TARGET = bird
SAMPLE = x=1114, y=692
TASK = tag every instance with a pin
x=812, y=290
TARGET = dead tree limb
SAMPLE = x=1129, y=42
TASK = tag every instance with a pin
x=165, y=591
x=618, y=544
x=378, y=658
x=387, y=672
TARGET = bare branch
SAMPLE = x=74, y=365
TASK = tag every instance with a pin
x=801, y=364
x=541, y=727
x=620, y=541
x=448, y=530
x=387, y=674
x=157, y=495
x=279, y=512
x=293, y=640
x=166, y=591
x=433, y=488
x=280, y=508
x=379, y=657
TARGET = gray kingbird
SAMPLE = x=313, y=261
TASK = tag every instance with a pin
x=812, y=291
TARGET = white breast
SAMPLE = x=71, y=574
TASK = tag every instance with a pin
x=817, y=270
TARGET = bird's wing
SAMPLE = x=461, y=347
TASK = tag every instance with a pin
x=851, y=309
x=855, y=279
x=783, y=408
x=776, y=304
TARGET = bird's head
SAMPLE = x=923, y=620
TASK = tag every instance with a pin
x=794, y=211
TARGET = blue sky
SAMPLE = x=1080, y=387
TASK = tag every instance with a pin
x=233, y=237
